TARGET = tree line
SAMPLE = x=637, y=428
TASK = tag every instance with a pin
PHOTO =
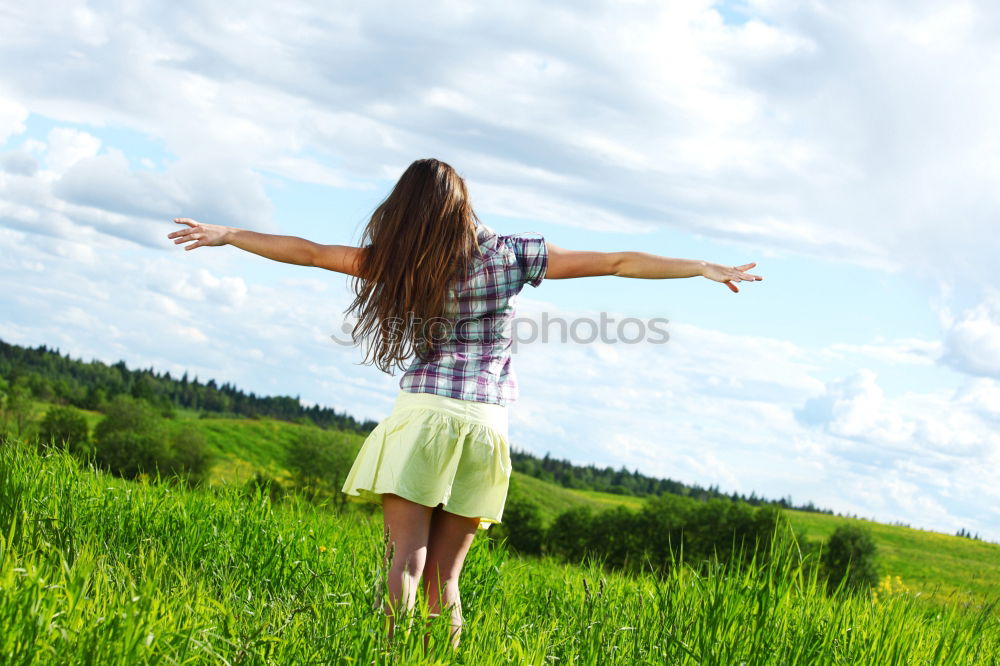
x=624, y=482
x=49, y=376
x=670, y=528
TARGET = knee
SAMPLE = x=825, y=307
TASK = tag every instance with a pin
x=408, y=564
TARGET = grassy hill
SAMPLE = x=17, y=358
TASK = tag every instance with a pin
x=938, y=565
x=941, y=566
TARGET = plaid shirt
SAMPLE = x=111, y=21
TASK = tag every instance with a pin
x=473, y=357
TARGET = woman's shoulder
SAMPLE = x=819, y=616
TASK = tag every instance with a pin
x=495, y=246
x=523, y=253
x=511, y=243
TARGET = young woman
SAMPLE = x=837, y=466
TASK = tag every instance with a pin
x=435, y=286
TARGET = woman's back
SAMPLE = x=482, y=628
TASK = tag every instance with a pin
x=472, y=358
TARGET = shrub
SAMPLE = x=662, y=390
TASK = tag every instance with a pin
x=521, y=525
x=569, y=534
x=616, y=535
x=132, y=440
x=663, y=521
x=16, y=407
x=319, y=460
x=189, y=454
x=66, y=427
x=849, y=556
x=124, y=412
x=128, y=453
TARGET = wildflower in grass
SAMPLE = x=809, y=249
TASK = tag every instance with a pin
x=322, y=549
x=890, y=585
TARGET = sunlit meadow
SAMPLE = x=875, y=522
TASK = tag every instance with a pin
x=96, y=570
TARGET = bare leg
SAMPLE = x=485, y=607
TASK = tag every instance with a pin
x=450, y=538
x=407, y=525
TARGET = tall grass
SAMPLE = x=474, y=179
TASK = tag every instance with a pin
x=96, y=570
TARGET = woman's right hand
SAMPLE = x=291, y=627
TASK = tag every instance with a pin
x=199, y=232
x=730, y=274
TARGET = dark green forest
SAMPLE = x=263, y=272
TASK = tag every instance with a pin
x=624, y=482
x=52, y=377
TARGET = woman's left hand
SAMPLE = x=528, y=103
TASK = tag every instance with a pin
x=728, y=275
x=199, y=232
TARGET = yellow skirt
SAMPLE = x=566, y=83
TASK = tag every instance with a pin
x=434, y=450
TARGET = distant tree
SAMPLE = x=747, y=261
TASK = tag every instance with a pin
x=66, y=427
x=521, y=525
x=124, y=412
x=624, y=482
x=40, y=387
x=849, y=556
x=569, y=534
x=131, y=440
x=95, y=399
x=16, y=406
x=319, y=460
x=190, y=456
x=662, y=521
x=128, y=453
x=616, y=534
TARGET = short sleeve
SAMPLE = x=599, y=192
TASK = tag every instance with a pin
x=532, y=256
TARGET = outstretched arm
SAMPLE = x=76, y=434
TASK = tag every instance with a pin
x=564, y=263
x=286, y=249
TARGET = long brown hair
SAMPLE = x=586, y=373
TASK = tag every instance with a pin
x=419, y=240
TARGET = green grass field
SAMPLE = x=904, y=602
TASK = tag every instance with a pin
x=100, y=570
x=944, y=567
x=96, y=570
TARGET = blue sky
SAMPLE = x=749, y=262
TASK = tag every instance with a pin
x=851, y=152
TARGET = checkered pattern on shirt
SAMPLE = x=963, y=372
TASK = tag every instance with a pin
x=474, y=361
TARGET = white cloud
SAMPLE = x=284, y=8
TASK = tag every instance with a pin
x=910, y=351
x=18, y=162
x=199, y=285
x=189, y=334
x=88, y=195
x=12, y=117
x=972, y=341
x=178, y=314
x=982, y=395
x=855, y=407
x=865, y=135
x=66, y=146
